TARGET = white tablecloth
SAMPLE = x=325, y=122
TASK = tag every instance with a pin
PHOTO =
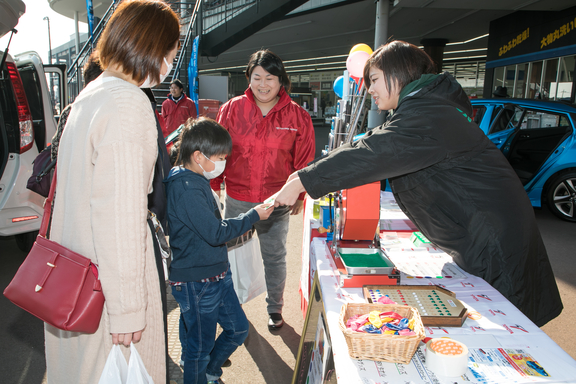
x=500, y=335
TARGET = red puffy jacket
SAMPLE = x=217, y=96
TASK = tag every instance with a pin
x=175, y=114
x=266, y=150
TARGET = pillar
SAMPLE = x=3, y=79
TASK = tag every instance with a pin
x=375, y=116
x=76, y=33
x=435, y=49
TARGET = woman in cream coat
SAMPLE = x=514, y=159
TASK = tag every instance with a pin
x=105, y=168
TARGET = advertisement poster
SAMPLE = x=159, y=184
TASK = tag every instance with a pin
x=509, y=364
x=193, y=73
x=320, y=354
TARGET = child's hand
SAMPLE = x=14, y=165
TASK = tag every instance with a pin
x=264, y=210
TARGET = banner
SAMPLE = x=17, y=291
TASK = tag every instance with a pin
x=193, y=73
x=90, y=14
x=529, y=36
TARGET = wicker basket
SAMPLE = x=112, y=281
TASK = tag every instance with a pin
x=389, y=348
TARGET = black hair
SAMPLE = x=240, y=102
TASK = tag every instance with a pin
x=272, y=64
x=205, y=135
x=401, y=62
x=92, y=68
x=178, y=83
x=174, y=153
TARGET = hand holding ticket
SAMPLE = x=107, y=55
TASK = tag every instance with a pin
x=289, y=192
x=271, y=199
x=264, y=210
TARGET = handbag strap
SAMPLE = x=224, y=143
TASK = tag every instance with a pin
x=48, y=206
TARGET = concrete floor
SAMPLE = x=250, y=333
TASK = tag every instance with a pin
x=269, y=356
x=560, y=240
x=266, y=356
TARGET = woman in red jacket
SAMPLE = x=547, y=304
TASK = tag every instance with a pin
x=272, y=137
x=177, y=108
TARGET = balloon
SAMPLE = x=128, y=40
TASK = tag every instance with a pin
x=361, y=47
x=355, y=63
x=339, y=86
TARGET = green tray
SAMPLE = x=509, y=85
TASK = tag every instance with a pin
x=365, y=261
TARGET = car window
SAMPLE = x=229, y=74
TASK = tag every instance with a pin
x=54, y=82
x=534, y=119
x=478, y=112
x=508, y=118
x=495, y=112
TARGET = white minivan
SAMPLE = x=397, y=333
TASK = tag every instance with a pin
x=27, y=124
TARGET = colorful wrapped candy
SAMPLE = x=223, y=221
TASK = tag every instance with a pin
x=387, y=323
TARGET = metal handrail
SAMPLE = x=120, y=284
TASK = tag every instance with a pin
x=81, y=57
x=228, y=13
x=191, y=23
x=89, y=45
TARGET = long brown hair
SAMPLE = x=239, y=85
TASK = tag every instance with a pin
x=138, y=36
x=401, y=62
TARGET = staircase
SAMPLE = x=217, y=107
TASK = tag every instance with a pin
x=221, y=24
x=228, y=22
x=187, y=12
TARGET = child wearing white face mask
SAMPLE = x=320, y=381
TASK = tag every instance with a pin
x=199, y=272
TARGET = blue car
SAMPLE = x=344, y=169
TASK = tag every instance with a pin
x=539, y=140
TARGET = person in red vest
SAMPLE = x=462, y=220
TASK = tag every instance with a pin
x=177, y=108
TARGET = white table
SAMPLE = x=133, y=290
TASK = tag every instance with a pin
x=500, y=331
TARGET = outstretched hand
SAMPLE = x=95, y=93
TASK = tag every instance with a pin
x=289, y=193
x=264, y=210
x=293, y=176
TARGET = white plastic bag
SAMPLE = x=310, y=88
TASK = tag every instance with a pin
x=137, y=373
x=115, y=370
x=246, y=267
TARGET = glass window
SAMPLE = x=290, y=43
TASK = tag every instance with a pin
x=507, y=119
x=510, y=76
x=478, y=113
x=520, y=84
x=54, y=82
x=534, y=119
x=498, y=78
x=535, y=81
x=565, y=78
x=549, y=81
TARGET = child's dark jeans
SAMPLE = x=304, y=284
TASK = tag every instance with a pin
x=202, y=306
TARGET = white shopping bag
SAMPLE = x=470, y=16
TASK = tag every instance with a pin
x=246, y=267
x=115, y=370
x=137, y=373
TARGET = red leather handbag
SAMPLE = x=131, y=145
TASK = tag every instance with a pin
x=57, y=285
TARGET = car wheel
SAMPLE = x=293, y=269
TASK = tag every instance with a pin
x=25, y=241
x=561, y=196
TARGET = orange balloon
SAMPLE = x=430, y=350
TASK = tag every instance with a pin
x=361, y=47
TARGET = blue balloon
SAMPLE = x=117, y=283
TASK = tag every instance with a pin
x=339, y=86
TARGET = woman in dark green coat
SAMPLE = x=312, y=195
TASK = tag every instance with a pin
x=448, y=178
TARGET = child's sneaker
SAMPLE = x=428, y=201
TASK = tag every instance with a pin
x=217, y=381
